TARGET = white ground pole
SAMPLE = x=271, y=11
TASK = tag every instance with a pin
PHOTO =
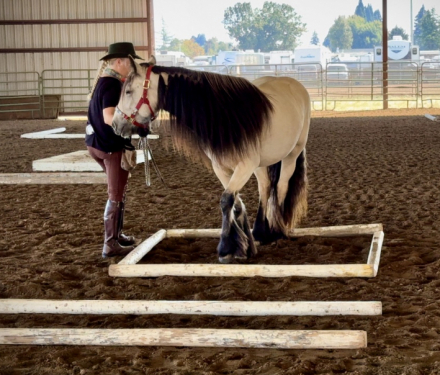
x=57, y=133
x=52, y=178
x=432, y=118
x=218, y=308
x=77, y=161
x=194, y=337
x=375, y=250
x=127, y=267
x=43, y=133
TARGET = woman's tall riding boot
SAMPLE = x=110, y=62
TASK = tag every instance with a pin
x=111, y=221
x=123, y=239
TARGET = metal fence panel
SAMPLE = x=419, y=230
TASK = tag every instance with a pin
x=65, y=90
x=430, y=83
x=71, y=85
x=20, y=95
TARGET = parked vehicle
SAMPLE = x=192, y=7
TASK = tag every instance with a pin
x=248, y=57
x=172, y=58
x=337, y=72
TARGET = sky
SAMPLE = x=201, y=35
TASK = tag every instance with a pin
x=186, y=18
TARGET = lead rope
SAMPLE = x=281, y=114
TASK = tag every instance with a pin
x=148, y=154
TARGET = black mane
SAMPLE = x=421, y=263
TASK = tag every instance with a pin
x=221, y=114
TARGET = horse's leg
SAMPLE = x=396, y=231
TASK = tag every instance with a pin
x=243, y=232
x=262, y=232
x=235, y=238
x=226, y=205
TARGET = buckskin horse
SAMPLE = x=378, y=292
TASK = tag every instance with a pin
x=243, y=128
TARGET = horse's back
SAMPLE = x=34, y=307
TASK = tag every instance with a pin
x=284, y=86
x=290, y=118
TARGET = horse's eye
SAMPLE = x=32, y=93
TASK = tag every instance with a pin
x=128, y=92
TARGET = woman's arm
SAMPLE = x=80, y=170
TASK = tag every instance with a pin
x=108, y=115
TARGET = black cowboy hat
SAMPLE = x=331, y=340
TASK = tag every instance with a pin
x=123, y=49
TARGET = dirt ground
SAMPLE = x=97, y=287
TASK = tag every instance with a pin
x=364, y=167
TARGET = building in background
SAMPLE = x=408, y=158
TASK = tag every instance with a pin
x=44, y=37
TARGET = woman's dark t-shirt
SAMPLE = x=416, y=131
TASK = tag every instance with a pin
x=106, y=94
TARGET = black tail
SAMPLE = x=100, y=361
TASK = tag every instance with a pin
x=288, y=214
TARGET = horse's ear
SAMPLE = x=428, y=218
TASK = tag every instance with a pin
x=152, y=60
x=133, y=64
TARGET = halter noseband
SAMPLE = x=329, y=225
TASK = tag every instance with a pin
x=142, y=100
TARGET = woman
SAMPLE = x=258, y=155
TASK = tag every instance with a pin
x=106, y=147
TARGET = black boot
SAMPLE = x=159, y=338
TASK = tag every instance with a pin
x=111, y=219
x=122, y=238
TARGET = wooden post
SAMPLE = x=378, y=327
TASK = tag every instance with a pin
x=385, y=53
x=240, y=270
x=193, y=337
x=219, y=308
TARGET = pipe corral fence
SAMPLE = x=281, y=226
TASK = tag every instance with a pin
x=335, y=86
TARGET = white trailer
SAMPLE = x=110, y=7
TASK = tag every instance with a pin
x=312, y=54
x=248, y=57
x=172, y=58
x=398, y=49
x=280, y=57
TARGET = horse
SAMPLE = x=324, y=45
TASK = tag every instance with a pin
x=241, y=128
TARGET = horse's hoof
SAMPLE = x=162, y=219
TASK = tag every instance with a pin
x=226, y=259
x=240, y=257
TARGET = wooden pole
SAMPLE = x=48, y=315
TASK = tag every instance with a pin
x=43, y=132
x=53, y=178
x=150, y=28
x=240, y=270
x=219, y=308
x=144, y=248
x=385, y=53
x=375, y=250
x=334, y=231
x=58, y=133
x=193, y=337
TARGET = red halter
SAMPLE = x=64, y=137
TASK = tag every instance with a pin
x=142, y=100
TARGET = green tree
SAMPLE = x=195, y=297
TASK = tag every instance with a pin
x=200, y=39
x=365, y=34
x=315, y=39
x=165, y=37
x=397, y=31
x=377, y=16
x=360, y=10
x=191, y=49
x=369, y=15
x=274, y=27
x=417, y=21
x=429, y=38
x=175, y=45
x=213, y=46
x=367, y=12
x=340, y=34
